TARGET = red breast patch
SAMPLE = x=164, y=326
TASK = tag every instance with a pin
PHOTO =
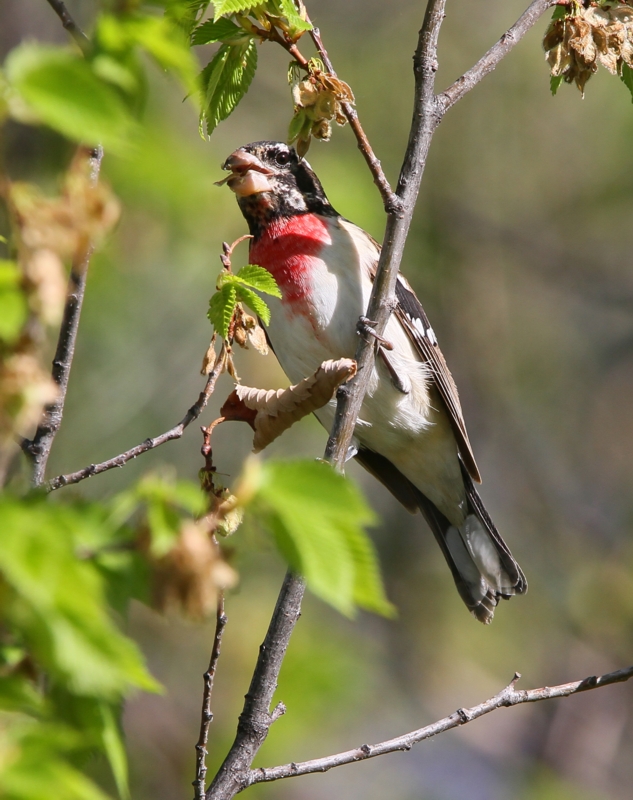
x=288, y=249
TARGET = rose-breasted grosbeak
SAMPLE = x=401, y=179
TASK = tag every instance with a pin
x=410, y=434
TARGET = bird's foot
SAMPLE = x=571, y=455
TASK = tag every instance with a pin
x=365, y=327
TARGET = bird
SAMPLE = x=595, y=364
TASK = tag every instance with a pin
x=410, y=433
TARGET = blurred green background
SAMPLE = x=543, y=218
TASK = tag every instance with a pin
x=520, y=252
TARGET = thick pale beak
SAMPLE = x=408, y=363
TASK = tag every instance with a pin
x=248, y=174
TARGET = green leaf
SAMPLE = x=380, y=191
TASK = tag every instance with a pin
x=287, y=9
x=317, y=518
x=626, y=76
x=36, y=765
x=63, y=91
x=554, y=83
x=216, y=31
x=58, y=602
x=255, y=302
x=300, y=126
x=258, y=278
x=13, y=304
x=226, y=80
x=186, y=13
x=160, y=37
x=221, y=7
x=560, y=12
x=115, y=750
x=221, y=309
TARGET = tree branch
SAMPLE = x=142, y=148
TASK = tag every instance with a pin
x=426, y=118
x=40, y=446
x=149, y=444
x=256, y=718
x=498, y=51
x=510, y=696
x=390, y=200
x=199, y=783
x=70, y=25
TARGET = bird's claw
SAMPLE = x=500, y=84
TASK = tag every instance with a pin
x=365, y=327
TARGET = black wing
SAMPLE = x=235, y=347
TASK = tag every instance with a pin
x=415, y=322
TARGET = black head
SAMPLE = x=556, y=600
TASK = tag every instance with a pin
x=271, y=181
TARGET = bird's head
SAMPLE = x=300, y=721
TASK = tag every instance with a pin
x=271, y=181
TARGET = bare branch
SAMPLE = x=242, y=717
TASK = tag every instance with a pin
x=70, y=25
x=510, y=696
x=256, y=717
x=390, y=200
x=426, y=118
x=40, y=447
x=498, y=51
x=199, y=783
x=149, y=444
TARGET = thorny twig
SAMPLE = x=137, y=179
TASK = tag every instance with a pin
x=510, y=696
x=199, y=783
x=149, y=444
x=41, y=444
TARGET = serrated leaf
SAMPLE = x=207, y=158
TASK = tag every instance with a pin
x=230, y=74
x=555, y=82
x=58, y=600
x=626, y=76
x=317, y=518
x=258, y=278
x=221, y=7
x=289, y=11
x=221, y=309
x=253, y=301
x=186, y=13
x=115, y=750
x=64, y=93
x=216, y=31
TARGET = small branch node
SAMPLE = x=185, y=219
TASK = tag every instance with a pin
x=463, y=715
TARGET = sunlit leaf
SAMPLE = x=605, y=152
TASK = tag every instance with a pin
x=317, y=518
x=216, y=31
x=13, y=304
x=64, y=92
x=258, y=278
x=226, y=80
x=221, y=7
x=255, y=302
x=58, y=600
x=221, y=308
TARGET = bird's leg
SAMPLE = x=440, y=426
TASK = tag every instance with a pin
x=365, y=327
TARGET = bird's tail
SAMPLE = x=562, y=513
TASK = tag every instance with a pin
x=482, y=565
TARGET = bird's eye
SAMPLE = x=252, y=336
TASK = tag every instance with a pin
x=282, y=157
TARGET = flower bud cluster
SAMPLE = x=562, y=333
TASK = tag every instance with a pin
x=585, y=37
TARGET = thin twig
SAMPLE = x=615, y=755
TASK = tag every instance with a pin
x=149, y=444
x=425, y=120
x=390, y=200
x=510, y=696
x=256, y=717
x=40, y=446
x=70, y=25
x=498, y=51
x=199, y=783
